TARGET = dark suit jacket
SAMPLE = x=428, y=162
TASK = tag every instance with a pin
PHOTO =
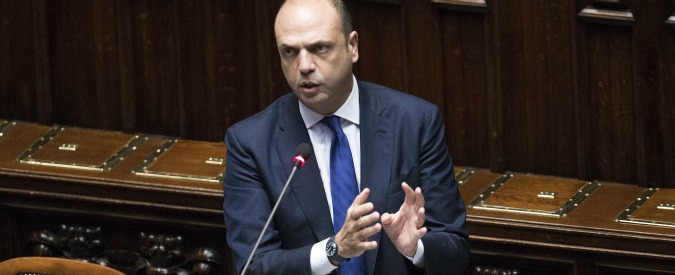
x=402, y=139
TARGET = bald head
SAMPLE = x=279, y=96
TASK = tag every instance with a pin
x=343, y=14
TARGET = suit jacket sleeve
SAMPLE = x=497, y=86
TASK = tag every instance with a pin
x=446, y=247
x=246, y=206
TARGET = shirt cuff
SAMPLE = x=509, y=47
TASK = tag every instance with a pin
x=318, y=259
x=418, y=258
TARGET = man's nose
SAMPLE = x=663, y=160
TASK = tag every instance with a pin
x=306, y=64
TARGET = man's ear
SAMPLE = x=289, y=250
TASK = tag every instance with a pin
x=353, y=46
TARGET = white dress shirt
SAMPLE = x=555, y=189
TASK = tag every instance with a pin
x=321, y=136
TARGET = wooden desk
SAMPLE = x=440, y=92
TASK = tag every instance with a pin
x=515, y=227
x=128, y=208
x=588, y=240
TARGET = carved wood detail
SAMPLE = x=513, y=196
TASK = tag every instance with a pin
x=393, y=2
x=491, y=270
x=610, y=12
x=466, y=5
x=158, y=253
x=671, y=21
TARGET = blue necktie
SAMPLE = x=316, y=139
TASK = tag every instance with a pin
x=343, y=187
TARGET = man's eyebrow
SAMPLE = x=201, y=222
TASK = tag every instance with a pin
x=322, y=42
x=313, y=43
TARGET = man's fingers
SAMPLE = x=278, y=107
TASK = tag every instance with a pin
x=387, y=218
x=357, y=240
x=359, y=207
x=367, y=245
x=361, y=198
x=359, y=225
x=421, y=232
x=355, y=212
x=358, y=217
x=409, y=193
x=367, y=220
x=419, y=197
x=365, y=233
x=419, y=221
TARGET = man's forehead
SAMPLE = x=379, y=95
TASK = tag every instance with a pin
x=307, y=24
x=306, y=12
x=294, y=38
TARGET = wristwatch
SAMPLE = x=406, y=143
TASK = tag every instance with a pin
x=332, y=251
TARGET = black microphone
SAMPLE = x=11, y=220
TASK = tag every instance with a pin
x=302, y=154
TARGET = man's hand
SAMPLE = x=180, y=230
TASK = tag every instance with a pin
x=404, y=228
x=352, y=239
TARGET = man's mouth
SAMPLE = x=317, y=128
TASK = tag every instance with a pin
x=309, y=86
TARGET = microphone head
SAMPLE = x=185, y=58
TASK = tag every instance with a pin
x=302, y=154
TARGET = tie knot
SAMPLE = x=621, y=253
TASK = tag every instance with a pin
x=333, y=122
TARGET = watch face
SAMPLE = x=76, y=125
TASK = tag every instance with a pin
x=331, y=249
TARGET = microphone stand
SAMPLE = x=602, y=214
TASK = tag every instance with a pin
x=276, y=205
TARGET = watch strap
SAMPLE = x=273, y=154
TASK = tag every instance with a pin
x=335, y=257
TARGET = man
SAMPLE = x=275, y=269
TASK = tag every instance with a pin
x=397, y=154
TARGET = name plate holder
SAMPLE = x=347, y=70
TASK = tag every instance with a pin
x=185, y=160
x=654, y=207
x=85, y=149
x=536, y=195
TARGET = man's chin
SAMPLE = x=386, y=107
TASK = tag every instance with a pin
x=308, y=95
x=315, y=103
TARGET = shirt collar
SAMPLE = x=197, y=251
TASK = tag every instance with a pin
x=349, y=110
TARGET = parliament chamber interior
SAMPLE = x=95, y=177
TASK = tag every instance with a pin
x=559, y=116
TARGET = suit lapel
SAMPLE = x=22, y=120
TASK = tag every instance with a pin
x=376, y=156
x=306, y=185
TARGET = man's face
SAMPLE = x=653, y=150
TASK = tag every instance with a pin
x=315, y=58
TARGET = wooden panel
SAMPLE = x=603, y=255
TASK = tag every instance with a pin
x=106, y=86
x=533, y=100
x=465, y=55
x=381, y=44
x=653, y=58
x=158, y=91
x=667, y=82
x=537, y=94
x=611, y=109
x=72, y=52
x=194, y=19
x=17, y=71
x=425, y=75
x=511, y=59
x=556, y=131
x=271, y=81
x=219, y=83
x=519, y=82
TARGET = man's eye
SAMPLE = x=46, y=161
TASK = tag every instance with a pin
x=321, y=48
x=288, y=51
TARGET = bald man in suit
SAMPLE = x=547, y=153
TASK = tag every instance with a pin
x=403, y=170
